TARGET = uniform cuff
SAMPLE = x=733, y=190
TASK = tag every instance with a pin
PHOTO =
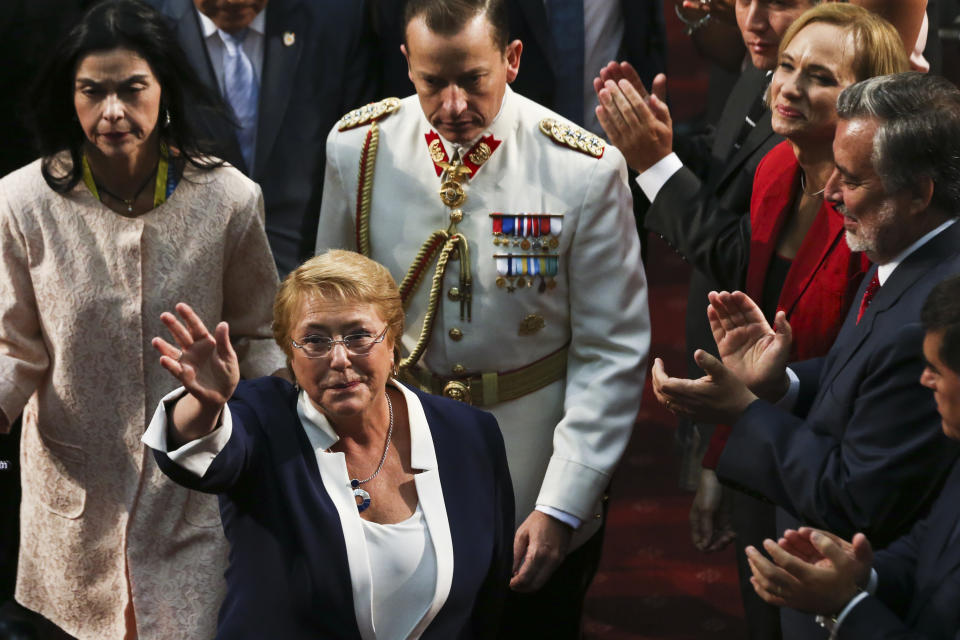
x=572, y=487
x=653, y=179
x=572, y=521
x=197, y=455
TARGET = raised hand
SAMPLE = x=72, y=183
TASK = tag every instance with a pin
x=206, y=365
x=825, y=585
x=638, y=123
x=749, y=348
x=719, y=9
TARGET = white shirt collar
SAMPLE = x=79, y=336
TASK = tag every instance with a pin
x=322, y=436
x=884, y=270
x=259, y=24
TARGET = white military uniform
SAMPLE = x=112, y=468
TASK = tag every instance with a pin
x=563, y=440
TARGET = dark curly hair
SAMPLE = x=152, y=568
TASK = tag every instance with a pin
x=941, y=314
x=127, y=24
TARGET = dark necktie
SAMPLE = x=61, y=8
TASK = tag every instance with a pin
x=566, y=26
x=871, y=291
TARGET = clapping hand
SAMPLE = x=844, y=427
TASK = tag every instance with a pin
x=638, y=123
x=749, y=348
x=811, y=570
x=719, y=9
x=718, y=397
x=206, y=365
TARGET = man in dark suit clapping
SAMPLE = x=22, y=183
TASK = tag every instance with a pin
x=913, y=583
x=849, y=442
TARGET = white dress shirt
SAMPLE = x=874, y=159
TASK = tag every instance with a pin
x=252, y=45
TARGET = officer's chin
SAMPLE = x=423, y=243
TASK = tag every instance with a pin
x=459, y=133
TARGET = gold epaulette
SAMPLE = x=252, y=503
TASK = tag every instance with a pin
x=368, y=113
x=573, y=137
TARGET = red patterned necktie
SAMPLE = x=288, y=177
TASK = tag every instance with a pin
x=871, y=291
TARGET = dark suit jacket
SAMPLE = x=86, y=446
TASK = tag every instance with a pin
x=716, y=177
x=305, y=87
x=918, y=593
x=288, y=575
x=863, y=450
x=644, y=45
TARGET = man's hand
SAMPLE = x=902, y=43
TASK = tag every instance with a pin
x=710, y=527
x=719, y=9
x=825, y=585
x=718, y=397
x=638, y=123
x=539, y=547
x=749, y=348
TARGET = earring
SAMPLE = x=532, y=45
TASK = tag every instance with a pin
x=166, y=118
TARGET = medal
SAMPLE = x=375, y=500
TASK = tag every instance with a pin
x=452, y=194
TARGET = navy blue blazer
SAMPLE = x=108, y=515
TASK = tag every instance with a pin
x=316, y=61
x=644, y=45
x=863, y=450
x=918, y=593
x=288, y=575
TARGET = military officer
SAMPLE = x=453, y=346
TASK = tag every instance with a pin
x=512, y=235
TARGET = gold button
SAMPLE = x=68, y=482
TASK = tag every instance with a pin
x=455, y=334
x=454, y=293
x=459, y=369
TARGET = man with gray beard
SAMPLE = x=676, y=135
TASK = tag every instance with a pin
x=849, y=442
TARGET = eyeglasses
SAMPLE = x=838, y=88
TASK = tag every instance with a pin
x=358, y=344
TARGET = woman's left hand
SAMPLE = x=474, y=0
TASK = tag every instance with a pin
x=206, y=365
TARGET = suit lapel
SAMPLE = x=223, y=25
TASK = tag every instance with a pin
x=912, y=269
x=937, y=552
x=760, y=134
x=184, y=15
x=284, y=39
x=742, y=97
x=190, y=37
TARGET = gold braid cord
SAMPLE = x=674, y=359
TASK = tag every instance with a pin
x=368, y=162
x=418, y=269
x=435, y=288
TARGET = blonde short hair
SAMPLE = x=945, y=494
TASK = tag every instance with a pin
x=337, y=276
x=879, y=51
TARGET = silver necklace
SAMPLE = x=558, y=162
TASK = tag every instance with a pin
x=364, y=496
x=803, y=187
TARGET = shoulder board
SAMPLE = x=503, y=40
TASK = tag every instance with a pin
x=368, y=113
x=573, y=137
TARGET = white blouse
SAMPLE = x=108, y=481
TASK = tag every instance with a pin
x=404, y=569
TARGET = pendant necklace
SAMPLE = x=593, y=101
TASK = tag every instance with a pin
x=128, y=203
x=364, y=496
x=160, y=190
x=803, y=187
